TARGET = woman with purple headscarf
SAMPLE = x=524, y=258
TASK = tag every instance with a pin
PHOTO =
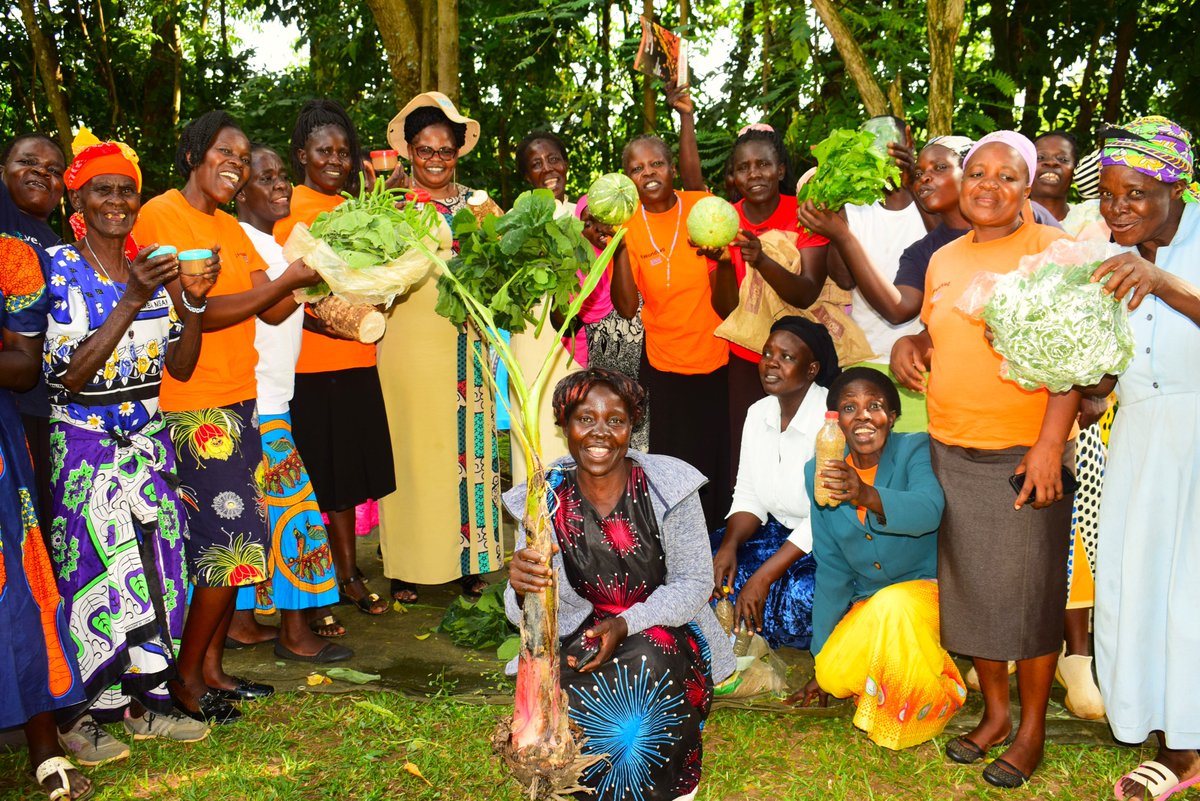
x=1147, y=596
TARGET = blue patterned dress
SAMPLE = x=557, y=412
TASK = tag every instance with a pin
x=646, y=707
x=38, y=672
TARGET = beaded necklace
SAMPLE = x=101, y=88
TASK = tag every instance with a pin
x=678, y=217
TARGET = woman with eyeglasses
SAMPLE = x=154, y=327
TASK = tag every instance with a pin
x=442, y=523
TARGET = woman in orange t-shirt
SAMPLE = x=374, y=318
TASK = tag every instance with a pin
x=684, y=366
x=338, y=416
x=209, y=414
x=1002, y=568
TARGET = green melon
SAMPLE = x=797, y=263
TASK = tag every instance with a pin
x=713, y=222
x=612, y=198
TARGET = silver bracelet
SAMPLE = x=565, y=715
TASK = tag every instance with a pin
x=193, y=309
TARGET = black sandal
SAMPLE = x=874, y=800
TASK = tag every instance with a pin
x=366, y=604
x=399, y=586
x=472, y=586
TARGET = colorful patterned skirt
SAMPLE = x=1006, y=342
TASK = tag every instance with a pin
x=117, y=543
x=38, y=672
x=885, y=652
x=787, y=613
x=221, y=470
x=300, y=572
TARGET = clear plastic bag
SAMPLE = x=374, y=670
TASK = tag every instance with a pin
x=1053, y=326
x=376, y=286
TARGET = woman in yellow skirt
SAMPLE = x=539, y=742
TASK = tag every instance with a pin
x=875, y=604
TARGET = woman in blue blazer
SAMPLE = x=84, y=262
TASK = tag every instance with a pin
x=875, y=605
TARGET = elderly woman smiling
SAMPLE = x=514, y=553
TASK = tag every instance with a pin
x=1147, y=642
x=634, y=578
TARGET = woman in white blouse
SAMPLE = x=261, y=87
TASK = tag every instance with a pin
x=763, y=559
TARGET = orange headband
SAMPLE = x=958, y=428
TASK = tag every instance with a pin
x=93, y=157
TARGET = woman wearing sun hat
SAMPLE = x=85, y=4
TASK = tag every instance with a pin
x=443, y=521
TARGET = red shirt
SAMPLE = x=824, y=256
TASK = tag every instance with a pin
x=782, y=219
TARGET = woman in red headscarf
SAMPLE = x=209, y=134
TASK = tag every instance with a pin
x=118, y=521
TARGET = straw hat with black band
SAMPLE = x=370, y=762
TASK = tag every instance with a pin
x=395, y=132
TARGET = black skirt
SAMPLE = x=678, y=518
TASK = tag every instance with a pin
x=341, y=430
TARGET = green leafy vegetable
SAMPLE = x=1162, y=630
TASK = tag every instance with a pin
x=849, y=170
x=1053, y=326
x=479, y=624
x=510, y=263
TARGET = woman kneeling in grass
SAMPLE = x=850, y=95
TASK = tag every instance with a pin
x=875, y=606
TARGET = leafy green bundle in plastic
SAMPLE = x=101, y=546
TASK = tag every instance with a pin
x=1053, y=326
x=849, y=170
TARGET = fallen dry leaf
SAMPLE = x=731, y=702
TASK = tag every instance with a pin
x=316, y=678
x=414, y=770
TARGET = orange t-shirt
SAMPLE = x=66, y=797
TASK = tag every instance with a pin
x=224, y=373
x=678, y=313
x=867, y=476
x=970, y=405
x=320, y=353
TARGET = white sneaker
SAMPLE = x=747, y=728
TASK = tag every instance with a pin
x=175, y=726
x=90, y=745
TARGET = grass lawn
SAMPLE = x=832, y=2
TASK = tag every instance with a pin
x=379, y=745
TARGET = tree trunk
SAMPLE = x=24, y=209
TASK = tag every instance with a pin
x=47, y=65
x=399, y=34
x=1087, y=101
x=428, y=36
x=447, y=48
x=602, y=124
x=852, y=56
x=944, y=20
x=1126, y=30
x=648, y=97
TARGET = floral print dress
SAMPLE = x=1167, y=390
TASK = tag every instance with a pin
x=645, y=708
x=117, y=522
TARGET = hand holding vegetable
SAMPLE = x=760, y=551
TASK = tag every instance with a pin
x=828, y=224
x=716, y=254
x=298, y=275
x=529, y=571
x=1130, y=273
x=611, y=632
x=902, y=154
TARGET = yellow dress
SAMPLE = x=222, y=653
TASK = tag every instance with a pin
x=443, y=520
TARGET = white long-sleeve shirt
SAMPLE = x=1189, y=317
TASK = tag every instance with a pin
x=770, y=477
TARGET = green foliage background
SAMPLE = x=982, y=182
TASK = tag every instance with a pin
x=528, y=64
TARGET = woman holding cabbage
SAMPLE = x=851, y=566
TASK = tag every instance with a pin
x=1147, y=643
x=1001, y=566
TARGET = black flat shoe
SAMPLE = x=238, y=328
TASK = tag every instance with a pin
x=213, y=709
x=1002, y=773
x=244, y=691
x=332, y=652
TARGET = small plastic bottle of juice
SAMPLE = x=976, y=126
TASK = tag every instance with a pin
x=831, y=446
x=724, y=611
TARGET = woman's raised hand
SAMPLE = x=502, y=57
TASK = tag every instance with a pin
x=530, y=571
x=828, y=224
x=147, y=274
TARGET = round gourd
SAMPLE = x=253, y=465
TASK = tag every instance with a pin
x=612, y=198
x=712, y=223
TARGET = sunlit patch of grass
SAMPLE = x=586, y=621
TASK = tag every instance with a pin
x=314, y=746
